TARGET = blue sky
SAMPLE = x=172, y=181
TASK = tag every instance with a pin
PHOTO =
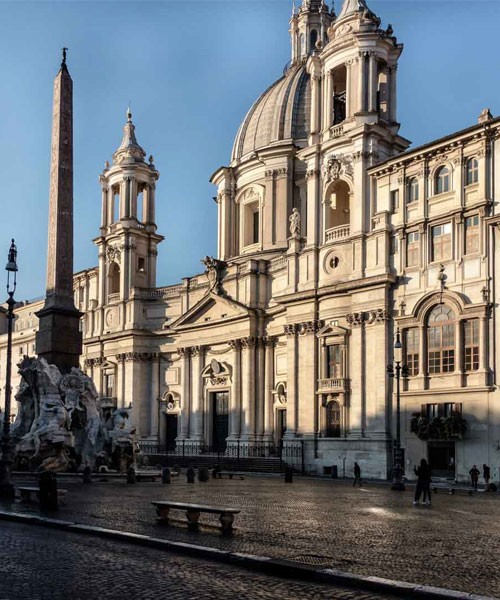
x=191, y=70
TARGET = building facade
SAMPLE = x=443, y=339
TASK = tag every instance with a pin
x=332, y=237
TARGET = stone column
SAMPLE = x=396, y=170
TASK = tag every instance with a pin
x=269, y=388
x=186, y=392
x=235, y=406
x=292, y=376
x=392, y=94
x=372, y=97
x=151, y=203
x=197, y=353
x=154, y=426
x=315, y=83
x=104, y=206
x=120, y=380
x=361, y=82
x=248, y=389
x=357, y=404
x=348, y=88
x=483, y=346
x=260, y=380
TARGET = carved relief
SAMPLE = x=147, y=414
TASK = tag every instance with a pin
x=303, y=328
x=336, y=165
x=113, y=254
x=214, y=272
x=378, y=315
x=356, y=318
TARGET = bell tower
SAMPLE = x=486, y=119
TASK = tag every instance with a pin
x=308, y=26
x=128, y=240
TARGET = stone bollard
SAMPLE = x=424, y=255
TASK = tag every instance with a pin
x=288, y=475
x=165, y=475
x=190, y=475
x=87, y=474
x=215, y=471
x=203, y=474
x=131, y=475
x=48, y=490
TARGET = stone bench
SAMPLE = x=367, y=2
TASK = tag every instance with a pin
x=452, y=489
x=32, y=494
x=151, y=475
x=193, y=511
x=230, y=474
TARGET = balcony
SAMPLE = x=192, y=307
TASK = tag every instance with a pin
x=340, y=232
x=336, y=384
x=114, y=297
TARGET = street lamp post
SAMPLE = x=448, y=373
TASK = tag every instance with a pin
x=6, y=486
x=398, y=370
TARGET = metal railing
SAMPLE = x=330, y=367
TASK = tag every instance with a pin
x=239, y=452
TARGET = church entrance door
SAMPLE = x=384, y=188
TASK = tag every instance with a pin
x=171, y=432
x=220, y=423
x=442, y=458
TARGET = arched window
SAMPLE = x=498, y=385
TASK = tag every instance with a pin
x=338, y=207
x=114, y=279
x=442, y=180
x=333, y=419
x=441, y=340
x=312, y=40
x=471, y=171
x=412, y=190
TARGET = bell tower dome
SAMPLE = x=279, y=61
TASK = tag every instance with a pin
x=128, y=240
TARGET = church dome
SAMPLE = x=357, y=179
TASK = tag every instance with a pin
x=281, y=113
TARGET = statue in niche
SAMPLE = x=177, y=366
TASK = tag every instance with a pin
x=295, y=223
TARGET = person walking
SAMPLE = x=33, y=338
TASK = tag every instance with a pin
x=423, y=473
x=474, y=476
x=357, y=475
x=486, y=477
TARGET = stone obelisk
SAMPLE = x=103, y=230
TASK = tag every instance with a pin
x=59, y=339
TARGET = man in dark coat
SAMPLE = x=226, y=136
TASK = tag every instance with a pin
x=474, y=476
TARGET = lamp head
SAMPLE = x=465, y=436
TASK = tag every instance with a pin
x=11, y=260
x=397, y=343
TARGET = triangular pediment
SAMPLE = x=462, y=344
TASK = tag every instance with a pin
x=331, y=329
x=212, y=308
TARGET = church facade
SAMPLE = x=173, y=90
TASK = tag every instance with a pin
x=349, y=267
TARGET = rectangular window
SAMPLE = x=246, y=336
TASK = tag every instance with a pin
x=412, y=348
x=441, y=242
x=141, y=264
x=255, y=227
x=472, y=234
x=432, y=411
x=471, y=345
x=394, y=200
x=452, y=407
x=412, y=190
x=334, y=364
x=413, y=249
x=109, y=384
x=441, y=341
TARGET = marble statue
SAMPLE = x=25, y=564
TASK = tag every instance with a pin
x=295, y=223
x=58, y=425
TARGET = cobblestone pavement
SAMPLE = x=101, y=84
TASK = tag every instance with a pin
x=369, y=531
x=37, y=566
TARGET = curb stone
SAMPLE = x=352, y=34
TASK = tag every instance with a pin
x=276, y=567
